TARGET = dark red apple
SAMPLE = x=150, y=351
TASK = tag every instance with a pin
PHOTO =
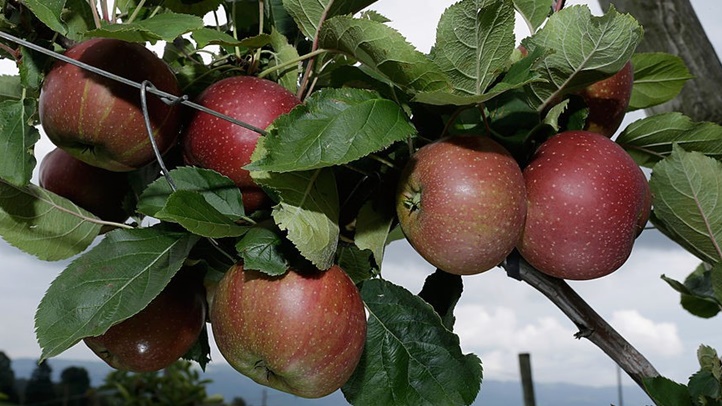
x=586, y=201
x=214, y=143
x=461, y=203
x=608, y=100
x=99, y=120
x=302, y=333
x=161, y=333
x=97, y=190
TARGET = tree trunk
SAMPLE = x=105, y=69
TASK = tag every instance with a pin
x=672, y=26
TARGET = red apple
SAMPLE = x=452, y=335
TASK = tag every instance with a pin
x=161, y=333
x=586, y=201
x=301, y=333
x=608, y=100
x=461, y=203
x=97, y=190
x=99, y=120
x=214, y=143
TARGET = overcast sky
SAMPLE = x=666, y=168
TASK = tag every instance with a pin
x=497, y=317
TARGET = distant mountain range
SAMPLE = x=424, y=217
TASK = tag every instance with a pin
x=230, y=384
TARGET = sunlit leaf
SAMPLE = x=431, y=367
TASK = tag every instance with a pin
x=49, y=12
x=113, y=281
x=333, y=127
x=309, y=14
x=650, y=139
x=308, y=211
x=534, y=12
x=658, y=78
x=584, y=49
x=165, y=26
x=474, y=40
x=687, y=201
x=385, y=50
x=192, y=211
x=220, y=192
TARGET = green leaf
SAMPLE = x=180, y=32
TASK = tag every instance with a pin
x=666, y=392
x=10, y=88
x=709, y=360
x=31, y=70
x=585, y=49
x=284, y=52
x=108, y=284
x=192, y=211
x=356, y=262
x=49, y=12
x=474, y=40
x=650, y=139
x=373, y=225
x=78, y=18
x=44, y=224
x=281, y=19
x=197, y=7
x=534, y=12
x=333, y=127
x=703, y=384
x=410, y=358
x=519, y=74
x=385, y=50
x=17, y=142
x=260, y=249
x=308, y=211
x=687, y=200
x=206, y=36
x=309, y=14
x=658, y=78
x=165, y=27
x=697, y=291
x=218, y=190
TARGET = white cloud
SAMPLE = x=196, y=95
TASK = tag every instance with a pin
x=646, y=335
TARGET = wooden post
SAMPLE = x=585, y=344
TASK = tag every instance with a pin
x=527, y=384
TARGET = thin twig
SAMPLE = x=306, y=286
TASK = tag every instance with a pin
x=309, y=68
x=94, y=10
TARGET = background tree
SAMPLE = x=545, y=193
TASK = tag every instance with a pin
x=7, y=379
x=40, y=388
x=179, y=384
x=74, y=385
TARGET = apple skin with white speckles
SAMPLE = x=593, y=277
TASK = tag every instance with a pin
x=159, y=334
x=99, y=120
x=587, y=202
x=461, y=202
x=301, y=333
x=214, y=143
x=608, y=100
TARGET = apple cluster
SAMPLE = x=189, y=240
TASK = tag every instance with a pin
x=302, y=332
x=573, y=211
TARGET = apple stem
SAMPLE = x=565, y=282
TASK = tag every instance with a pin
x=591, y=325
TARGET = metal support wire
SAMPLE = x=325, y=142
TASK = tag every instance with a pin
x=145, y=86
x=165, y=96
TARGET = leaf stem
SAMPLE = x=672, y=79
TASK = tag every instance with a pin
x=591, y=325
x=94, y=9
x=309, y=68
x=136, y=11
x=291, y=62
